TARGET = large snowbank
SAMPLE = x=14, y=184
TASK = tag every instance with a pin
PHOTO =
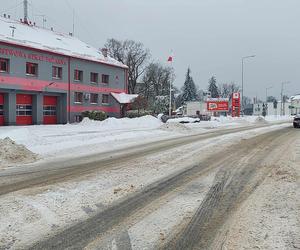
x=86, y=137
x=147, y=121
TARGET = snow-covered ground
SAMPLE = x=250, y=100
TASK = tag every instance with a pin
x=31, y=214
x=89, y=137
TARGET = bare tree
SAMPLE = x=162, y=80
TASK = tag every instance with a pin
x=156, y=81
x=131, y=53
x=226, y=89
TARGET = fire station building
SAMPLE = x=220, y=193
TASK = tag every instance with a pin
x=48, y=77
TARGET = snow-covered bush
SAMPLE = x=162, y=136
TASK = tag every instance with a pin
x=95, y=115
x=137, y=113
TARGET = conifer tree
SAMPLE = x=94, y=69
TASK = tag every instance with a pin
x=189, y=89
x=213, y=88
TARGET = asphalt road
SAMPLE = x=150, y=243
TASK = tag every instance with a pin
x=237, y=168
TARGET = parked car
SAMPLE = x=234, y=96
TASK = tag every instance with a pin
x=296, y=121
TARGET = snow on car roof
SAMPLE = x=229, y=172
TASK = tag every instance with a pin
x=51, y=41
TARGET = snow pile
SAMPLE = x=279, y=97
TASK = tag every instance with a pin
x=11, y=153
x=261, y=120
x=175, y=127
x=147, y=121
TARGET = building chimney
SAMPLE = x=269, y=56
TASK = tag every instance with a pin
x=70, y=34
x=25, y=3
x=104, y=52
x=8, y=16
x=52, y=29
x=4, y=15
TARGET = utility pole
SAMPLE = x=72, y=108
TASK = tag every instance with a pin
x=25, y=3
x=267, y=93
x=282, y=106
x=242, y=97
x=73, y=33
x=267, y=99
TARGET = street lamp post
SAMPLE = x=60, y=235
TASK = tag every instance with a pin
x=267, y=93
x=282, y=106
x=267, y=99
x=242, y=99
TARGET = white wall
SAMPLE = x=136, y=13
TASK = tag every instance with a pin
x=258, y=108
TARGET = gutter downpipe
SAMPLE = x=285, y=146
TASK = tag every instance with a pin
x=69, y=90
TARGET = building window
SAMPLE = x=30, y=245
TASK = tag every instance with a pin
x=56, y=72
x=94, y=98
x=105, y=79
x=23, y=110
x=1, y=109
x=105, y=99
x=4, y=65
x=49, y=110
x=78, y=75
x=31, y=69
x=78, y=97
x=94, y=77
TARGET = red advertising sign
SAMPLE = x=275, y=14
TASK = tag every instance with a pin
x=217, y=104
x=236, y=104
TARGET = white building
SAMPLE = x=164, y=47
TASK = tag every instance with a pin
x=281, y=109
x=195, y=108
x=295, y=104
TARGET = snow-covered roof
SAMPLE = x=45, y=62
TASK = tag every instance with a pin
x=296, y=97
x=51, y=41
x=124, y=98
x=218, y=99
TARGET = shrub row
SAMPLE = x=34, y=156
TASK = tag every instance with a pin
x=95, y=115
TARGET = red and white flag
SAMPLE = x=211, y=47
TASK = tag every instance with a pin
x=170, y=58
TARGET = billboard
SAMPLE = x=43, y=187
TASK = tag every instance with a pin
x=217, y=104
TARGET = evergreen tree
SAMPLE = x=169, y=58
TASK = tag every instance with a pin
x=189, y=88
x=213, y=88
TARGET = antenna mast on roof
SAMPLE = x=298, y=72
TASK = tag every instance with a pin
x=25, y=3
x=73, y=33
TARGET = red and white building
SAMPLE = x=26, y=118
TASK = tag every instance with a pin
x=47, y=77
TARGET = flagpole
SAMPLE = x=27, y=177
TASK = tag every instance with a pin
x=170, y=102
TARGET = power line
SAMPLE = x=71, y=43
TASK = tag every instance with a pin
x=36, y=10
x=12, y=7
x=81, y=23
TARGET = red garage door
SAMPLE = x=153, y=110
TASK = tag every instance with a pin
x=49, y=108
x=24, y=109
x=1, y=109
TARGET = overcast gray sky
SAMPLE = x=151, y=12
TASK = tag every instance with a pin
x=209, y=36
